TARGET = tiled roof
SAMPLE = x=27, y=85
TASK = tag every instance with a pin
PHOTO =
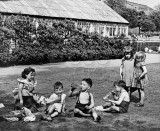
x=93, y=10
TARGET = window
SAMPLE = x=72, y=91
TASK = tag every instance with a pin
x=110, y=31
x=119, y=31
x=114, y=31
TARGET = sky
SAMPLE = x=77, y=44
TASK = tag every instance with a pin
x=150, y=3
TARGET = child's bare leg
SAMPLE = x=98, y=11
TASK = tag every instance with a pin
x=112, y=108
x=94, y=113
x=51, y=109
x=139, y=93
x=142, y=96
x=77, y=111
x=107, y=104
x=54, y=114
x=63, y=108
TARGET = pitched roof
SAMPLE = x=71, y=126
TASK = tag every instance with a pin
x=92, y=10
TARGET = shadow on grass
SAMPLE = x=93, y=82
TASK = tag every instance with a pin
x=134, y=99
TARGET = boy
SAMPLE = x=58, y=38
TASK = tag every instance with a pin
x=85, y=101
x=56, y=102
x=121, y=101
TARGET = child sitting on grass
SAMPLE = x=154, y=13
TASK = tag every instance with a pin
x=85, y=102
x=121, y=100
x=24, y=93
x=56, y=102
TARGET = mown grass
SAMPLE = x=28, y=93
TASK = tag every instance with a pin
x=145, y=118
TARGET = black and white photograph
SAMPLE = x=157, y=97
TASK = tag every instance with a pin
x=79, y=65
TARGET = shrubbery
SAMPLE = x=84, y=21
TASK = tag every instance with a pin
x=52, y=41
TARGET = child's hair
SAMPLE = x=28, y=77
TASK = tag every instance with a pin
x=26, y=71
x=57, y=85
x=140, y=56
x=128, y=49
x=88, y=81
x=120, y=83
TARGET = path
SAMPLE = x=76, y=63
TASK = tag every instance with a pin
x=151, y=58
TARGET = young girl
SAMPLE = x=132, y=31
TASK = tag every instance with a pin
x=25, y=90
x=121, y=100
x=140, y=76
x=85, y=102
x=127, y=68
x=56, y=102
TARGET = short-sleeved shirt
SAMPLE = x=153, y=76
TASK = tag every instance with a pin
x=27, y=86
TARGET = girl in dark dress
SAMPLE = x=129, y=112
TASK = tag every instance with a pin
x=26, y=87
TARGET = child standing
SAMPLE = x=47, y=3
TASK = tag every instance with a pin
x=56, y=101
x=121, y=100
x=25, y=90
x=140, y=76
x=85, y=101
x=127, y=68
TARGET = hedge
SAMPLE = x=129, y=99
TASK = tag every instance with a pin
x=52, y=41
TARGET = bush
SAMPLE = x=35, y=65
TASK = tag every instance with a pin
x=56, y=42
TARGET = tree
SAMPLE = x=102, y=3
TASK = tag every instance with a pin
x=131, y=16
x=148, y=25
x=155, y=16
x=117, y=5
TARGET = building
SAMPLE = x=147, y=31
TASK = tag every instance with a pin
x=138, y=7
x=90, y=15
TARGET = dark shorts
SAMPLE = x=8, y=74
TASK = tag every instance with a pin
x=28, y=102
x=82, y=108
x=133, y=89
x=123, y=107
x=122, y=110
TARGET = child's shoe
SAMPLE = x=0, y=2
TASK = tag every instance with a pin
x=139, y=105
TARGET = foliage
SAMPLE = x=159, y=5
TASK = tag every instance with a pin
x=148, y=25
x=135, y=18
x=117, y=5
x=155, y=16
x=52, y=41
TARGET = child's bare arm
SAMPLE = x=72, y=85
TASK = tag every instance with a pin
x=92, y=102
x=107, y=96
x=63, y=98
x=73, y=93
x=50, y=102
x=113, y=93
x=144, y=72
x=63, y=102
x=118, y=102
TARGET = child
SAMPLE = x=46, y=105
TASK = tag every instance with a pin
x=121, y=100
x=25, y=90
x=140, y=76
x=127, y=68
x=56, y=101
x=85, y=101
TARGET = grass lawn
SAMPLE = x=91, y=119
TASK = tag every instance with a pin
x=138, y=118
